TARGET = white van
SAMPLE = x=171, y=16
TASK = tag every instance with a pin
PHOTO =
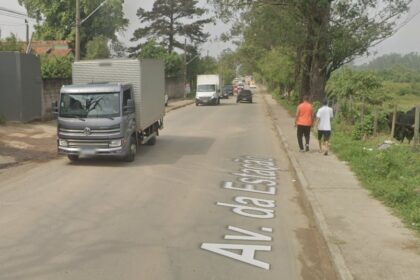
x=208, y=90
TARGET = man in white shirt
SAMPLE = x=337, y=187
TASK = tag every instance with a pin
x=323, y=124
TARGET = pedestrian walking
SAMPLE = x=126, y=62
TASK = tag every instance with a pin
x=323, y=124
x=303, y=121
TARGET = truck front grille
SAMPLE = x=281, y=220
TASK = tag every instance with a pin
x=94, y=132
x=88, y=144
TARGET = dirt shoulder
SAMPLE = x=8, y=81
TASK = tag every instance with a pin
x=20, y=142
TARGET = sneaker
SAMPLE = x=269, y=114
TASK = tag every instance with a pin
x=326, y=153
x=307, y=148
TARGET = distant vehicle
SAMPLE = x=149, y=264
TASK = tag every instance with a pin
x=208, y=90
x=112, y=106
x=252, y=85
x=244, y=95
x=241, y=86
x=227, y=90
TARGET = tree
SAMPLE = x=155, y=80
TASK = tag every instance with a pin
x=56, y=19
x=207, y=65
x=97, y=48
x=227, y=65
x=168, y=21
x=332, y=32
x=173, y=61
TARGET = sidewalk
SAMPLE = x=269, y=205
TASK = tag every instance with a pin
x=22, y=142
x=364, y=239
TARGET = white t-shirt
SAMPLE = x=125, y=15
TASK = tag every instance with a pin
x=325, y=114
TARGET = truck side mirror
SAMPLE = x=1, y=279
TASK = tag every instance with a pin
x=129, y=108
x=54, y=108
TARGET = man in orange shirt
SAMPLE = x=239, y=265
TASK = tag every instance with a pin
x=303, y=121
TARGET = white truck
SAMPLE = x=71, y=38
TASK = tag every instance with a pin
x=208, y=90
x=112, y=106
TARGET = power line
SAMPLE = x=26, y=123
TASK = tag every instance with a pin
x=13, y=12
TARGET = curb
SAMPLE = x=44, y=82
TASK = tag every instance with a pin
x=180, y=106
x=337, y=258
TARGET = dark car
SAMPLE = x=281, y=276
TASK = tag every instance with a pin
x=244, y=95
x=227, y=90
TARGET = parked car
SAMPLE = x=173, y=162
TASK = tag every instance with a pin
x=227, y=90
x=244, y=95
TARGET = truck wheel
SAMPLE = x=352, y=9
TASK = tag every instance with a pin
x=73, y=157
x=151, y=141
x=132, y=150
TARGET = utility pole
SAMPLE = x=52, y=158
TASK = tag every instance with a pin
x=77, y=58
x=27, y=32
x=185, y=67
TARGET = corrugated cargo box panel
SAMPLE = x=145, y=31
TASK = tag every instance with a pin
x=146, y=77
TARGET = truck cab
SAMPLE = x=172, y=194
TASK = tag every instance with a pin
x=208, y=90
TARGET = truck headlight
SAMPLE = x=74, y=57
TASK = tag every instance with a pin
x=115, y=143
x=63, y=143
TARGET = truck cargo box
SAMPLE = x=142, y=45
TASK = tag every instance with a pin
x=147, y=76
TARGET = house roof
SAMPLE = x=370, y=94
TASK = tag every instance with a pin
x=58, y=48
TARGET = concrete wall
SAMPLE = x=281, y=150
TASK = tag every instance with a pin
x=175, y=87
x=9, y=87
x=20, y=86
x=50, y=93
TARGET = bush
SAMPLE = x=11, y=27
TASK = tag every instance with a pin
x=363, y=128
x=56, y=67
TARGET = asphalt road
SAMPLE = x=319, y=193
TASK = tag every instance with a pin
x=213, y=199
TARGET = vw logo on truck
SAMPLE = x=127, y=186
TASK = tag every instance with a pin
x=87, y=131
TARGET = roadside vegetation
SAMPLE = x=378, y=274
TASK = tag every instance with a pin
x=391, y=174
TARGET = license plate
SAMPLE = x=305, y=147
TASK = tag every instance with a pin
x=87, y=151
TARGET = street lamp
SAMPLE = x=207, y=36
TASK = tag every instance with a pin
x=80, y=22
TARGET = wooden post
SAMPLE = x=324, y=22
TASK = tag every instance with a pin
x=394, y=120
x=416, y=127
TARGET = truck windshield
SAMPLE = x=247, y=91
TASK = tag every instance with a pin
x=90, y=105
x=206, y=88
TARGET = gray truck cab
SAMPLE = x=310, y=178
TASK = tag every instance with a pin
x=97, y=119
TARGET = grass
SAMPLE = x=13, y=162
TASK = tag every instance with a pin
x=391, y=175
x=405, y=95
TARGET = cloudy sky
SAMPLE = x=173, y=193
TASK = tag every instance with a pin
x=406, y=40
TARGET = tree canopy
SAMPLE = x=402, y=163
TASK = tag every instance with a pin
x=56, y=19
x=324, y=35
x=169, y=21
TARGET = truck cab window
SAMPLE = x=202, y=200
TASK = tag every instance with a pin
x=126, y=96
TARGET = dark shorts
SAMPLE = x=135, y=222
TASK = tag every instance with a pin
x=326, y=134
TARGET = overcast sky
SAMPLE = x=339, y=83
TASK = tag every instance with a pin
x=406, y=40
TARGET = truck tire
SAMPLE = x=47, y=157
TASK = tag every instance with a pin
x=151, y=141
x=73, y=157
x=132, y=150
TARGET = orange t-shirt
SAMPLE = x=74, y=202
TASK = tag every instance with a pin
x=305, y=114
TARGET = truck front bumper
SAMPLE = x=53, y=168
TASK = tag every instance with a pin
x=206, y=100
x=85, y=148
